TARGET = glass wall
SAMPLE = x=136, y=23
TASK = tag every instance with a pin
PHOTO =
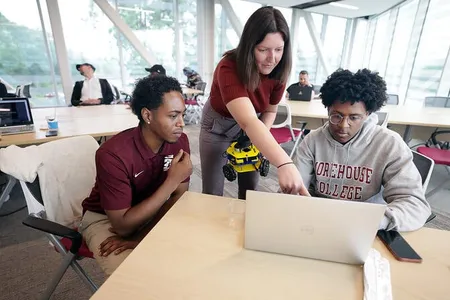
x=410, y=47
x=407, y=44
x=376, y=60
x=24, y=59
x=333, y=43
x=224, y=34
x=431, y=54
x=96, y=40
x=356, y=59
x=150, y=21
x=153, y=23
x=306, y=57
x=187, y=10
x=90, y=37
x=399, y=47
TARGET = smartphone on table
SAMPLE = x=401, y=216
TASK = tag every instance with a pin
x=51, y=133
x=398, y=246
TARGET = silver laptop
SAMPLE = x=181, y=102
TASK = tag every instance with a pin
x=318, y=228
x=15, y=116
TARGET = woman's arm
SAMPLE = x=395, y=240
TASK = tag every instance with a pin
x=288, y=176
x=245, y=115
x=268, y=117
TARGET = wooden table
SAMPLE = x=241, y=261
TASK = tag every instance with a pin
x=97, y=121
x=398, y=114
x=196, y=252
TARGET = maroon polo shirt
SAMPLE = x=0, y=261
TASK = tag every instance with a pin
x=128, y=171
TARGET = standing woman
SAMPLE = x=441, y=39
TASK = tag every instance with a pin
x=248, y=84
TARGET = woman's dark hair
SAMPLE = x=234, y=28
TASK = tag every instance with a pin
x=363, y=86
x=263, y=21
x=149, y=92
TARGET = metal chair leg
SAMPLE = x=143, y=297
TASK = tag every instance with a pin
x=297, y=141
x=8, y=188
x=68, y=259
x=86, y=279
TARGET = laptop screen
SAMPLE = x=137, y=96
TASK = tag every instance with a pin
x=15, y=112
x=302, y=93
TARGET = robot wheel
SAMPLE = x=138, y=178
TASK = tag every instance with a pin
x=229, y=172
x=264, y=167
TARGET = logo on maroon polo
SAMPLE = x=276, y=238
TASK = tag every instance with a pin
x=167, y=162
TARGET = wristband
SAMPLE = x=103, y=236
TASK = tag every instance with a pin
x=287, y=163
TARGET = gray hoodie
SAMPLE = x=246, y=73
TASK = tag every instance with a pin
x=376, y=163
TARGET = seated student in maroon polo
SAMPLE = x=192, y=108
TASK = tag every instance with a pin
x=141, y=173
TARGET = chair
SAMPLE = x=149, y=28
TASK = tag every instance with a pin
x=55, y=178
x=23, y=90
x=116, y=95
x=194, y=105
x=317, y=89
x=439, y=152
x=201, y=86
x=127, y=96
x=383, y=118
x=282, y=129
x=437, y=101
x=425, y=167
x=392, y=99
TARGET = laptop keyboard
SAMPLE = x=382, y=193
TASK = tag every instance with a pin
x=17, y=129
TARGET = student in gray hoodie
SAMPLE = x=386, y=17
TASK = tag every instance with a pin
x=352, y=158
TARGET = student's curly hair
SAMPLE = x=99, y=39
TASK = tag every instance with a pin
x=149, y=91
x=363, y=86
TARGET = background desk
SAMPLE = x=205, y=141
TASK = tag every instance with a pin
x=398, y=115
x=97, y=121
x=195, y=252
x=189, y=91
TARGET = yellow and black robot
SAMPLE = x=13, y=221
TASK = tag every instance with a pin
x=242, y=157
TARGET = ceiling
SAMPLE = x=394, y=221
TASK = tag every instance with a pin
x=365, y=7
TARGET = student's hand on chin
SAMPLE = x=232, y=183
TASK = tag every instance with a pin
x=181, y=167
x=290, y=180
x=116, y=244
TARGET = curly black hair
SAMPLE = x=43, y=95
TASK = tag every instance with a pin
x=149, y=91
x=363, y=86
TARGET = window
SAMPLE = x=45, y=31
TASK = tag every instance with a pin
x=23, y=54
x=90, y=37
x=225, y=36
x=334, y=40
x=356, y=59
x=431, y=54
x=333, y=43
x=187, y=11
x=153, y=21
x=306, y=56
x=376, y=61
x=399, y=47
